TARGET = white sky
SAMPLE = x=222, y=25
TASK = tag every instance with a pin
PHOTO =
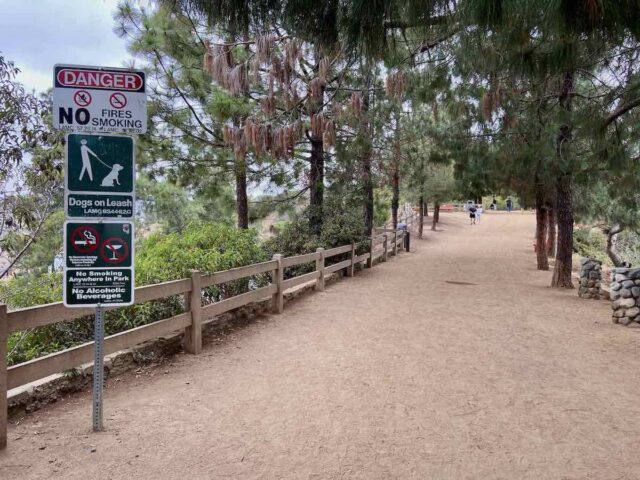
x=37, y=34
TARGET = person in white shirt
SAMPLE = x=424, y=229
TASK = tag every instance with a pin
x=478, y=213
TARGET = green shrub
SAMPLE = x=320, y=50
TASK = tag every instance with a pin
x=159, y=258
x=590, y=242
x=342, y=224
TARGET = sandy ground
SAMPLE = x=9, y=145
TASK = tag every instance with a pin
x=394, y=374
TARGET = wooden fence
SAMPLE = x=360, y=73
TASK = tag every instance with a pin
x=380, y=246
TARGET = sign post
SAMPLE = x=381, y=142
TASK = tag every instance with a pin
x=98, y=368
x=99, y=195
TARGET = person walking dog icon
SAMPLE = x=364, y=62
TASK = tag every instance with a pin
x=86, y=160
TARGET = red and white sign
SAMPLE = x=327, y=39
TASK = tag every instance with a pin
x=100, y=79
x=99, y=100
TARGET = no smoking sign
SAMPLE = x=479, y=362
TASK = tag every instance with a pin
x=98, y=244
x=118, y=100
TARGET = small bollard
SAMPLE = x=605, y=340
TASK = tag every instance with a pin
x=407, y=240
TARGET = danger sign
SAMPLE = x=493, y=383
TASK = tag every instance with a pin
x=100, y=78
x=99, y=99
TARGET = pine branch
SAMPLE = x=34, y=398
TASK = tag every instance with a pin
x=621, y=111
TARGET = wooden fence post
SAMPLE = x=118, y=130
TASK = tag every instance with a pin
x=4, y=333
x=277, y=300
x=193, y=333
x=395, y=242
x=352, y=267
x=370, y=259
x=385, y=245
x=320, y=269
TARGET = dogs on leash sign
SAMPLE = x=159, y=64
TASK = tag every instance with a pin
x=99, y=176
x=99, y=99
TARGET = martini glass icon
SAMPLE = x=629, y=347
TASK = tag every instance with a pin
x=113, y=248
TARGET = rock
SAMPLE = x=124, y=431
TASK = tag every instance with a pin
x=624, y=320
x=634, y=274
x=635, y=291
x=614, y=319
x=632, y=312
x=584, y=260
x=637, y=282
x=624, y=293
x=584, y=282
x=623, y=303
x=618, y=277
x=594, y=275
x=615, y=286
x=621, y=270
x=618, y=313
x=628, y=284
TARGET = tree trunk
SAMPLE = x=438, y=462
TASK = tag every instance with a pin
x=421, y=221
x=541, y=229
x=551, y=231
x=367, y=153
x=564, y=212
x=612, y=236
x=316, y=184
x=367, y=187
x=436, y=215
x=242, y=204
x=564, y=201
x=395, y=199
x=426, y=208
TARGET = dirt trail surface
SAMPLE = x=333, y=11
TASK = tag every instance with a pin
x=393, y=374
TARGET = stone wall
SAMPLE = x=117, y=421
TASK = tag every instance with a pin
x=590, y=278
x=625, y=295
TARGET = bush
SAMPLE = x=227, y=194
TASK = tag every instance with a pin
x=342, y=224
x=590, y=242
x=208, y=248
x=160, y=258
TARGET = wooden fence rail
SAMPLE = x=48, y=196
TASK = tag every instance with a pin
x=191, y=321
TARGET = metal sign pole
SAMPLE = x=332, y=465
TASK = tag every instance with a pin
x=98, y=368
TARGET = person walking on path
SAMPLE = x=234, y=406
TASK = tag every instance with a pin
x=494, y=205
x=479, y=212
x=509, y=204
x=472, y=214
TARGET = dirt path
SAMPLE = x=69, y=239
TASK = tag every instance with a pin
x=394, y=374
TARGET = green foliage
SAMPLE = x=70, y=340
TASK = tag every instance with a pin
x=381, y=206
x=171, y=206
x=204, y=247
x=590, y=242
x=342, y=224
x=160, y=258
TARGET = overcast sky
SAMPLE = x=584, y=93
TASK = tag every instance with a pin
x=37, y=34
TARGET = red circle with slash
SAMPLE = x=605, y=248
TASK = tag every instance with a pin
x=82, y=98
x=118, y=100
x=114, y=250
x=85, y=239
